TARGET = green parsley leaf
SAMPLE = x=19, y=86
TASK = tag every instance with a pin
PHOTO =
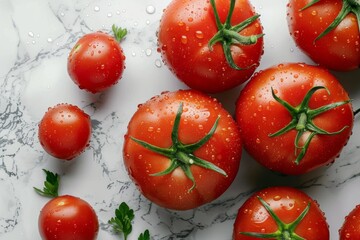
x=145, y=235
x=51, y=185
x=122, y=221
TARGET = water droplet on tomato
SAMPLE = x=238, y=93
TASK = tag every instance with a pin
x=258, y=141
x=314, y=13
x=199, y=34
x=190, y=19
x=184, y=39
x=277, y=198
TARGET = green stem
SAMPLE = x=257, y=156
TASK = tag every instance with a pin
x=301, y=125
x=229, y=35
x=349, y=6
x=302, y=120
x=182, y=155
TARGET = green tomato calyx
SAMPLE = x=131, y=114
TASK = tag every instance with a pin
x=285, y=231
x=181, y=155
x=119, y=33
x=229, y=35
x=302, y=120
x=349, y=6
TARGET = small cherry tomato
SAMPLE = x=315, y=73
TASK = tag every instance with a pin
x=280, y=213
x=67, y=217
x=65, y=131
x=97, y=61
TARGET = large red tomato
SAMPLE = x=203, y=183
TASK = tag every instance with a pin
x=67, y=217
x=65, y=131
x=280, y=213
x=327, y=31
x=294, y=118
x=351, y=226
x=208, y=53
x=97, y=61
x=182, y=149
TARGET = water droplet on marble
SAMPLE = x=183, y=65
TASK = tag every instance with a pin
x=150, y=9
x=148, y=52
x=158, y=63
x=96, y=8
x=109, y=15
x=31, y=34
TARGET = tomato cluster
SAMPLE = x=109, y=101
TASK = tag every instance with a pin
x=182, y=149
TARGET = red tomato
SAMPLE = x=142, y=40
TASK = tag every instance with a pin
x=65, y=131
x=314, y=137
x=186, y=29
x=67, y=217
x=283, y=213
x=182, y=149
x=339, y=48
x=96, y=62
x=351, y=227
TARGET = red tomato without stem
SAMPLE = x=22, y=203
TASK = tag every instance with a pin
x=313, y=135
x=65, y=131
x=351, y=227
x=67, y=217
x=96, y=62
x=282, y=213
x=339, y=49
x=182, y=149
x=187, y=27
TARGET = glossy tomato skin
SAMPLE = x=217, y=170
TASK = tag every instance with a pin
x=351, y=226
x=68, y=218
x=96, y=62
x=339, y=49
x=287, y=203
x=65, y=131
x=185, y=30
x=259, y=115
x=153, y=123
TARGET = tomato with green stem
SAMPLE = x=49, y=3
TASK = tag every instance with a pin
x=97, y=62
x=182, y=149
x=280, y=213
x=327, y=31
x=211, y=46
x=294, y=118
x=65, y=131
x=65, y=217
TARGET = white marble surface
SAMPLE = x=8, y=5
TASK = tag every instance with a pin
x=35, y=39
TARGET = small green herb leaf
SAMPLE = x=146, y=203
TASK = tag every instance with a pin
x=51, y=185
x=122, y=221
x=119, y=32
x=145, y=235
